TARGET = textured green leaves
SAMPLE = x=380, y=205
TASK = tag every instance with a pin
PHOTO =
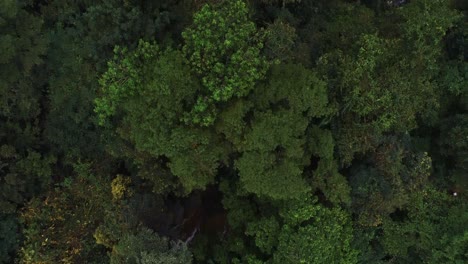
x=273, y=150
x=149, y=91
x=271, y=163
x=434, y=230
x=223, y=49
x=305, y=232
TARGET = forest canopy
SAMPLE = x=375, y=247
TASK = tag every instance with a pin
x=233, y=131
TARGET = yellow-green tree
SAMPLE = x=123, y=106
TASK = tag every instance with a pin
x=223, y=49
x=145, y=94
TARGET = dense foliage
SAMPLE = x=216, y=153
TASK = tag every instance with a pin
x=233, y=131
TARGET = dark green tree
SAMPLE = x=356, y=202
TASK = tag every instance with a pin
x=434, y=230
x=314, y=234
x=83, y=35
x=274, y=152
x=291, y=231
x=9, y=237
x=386, y=83
x=387, y=181
x=24, y=169
x=147, y=247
